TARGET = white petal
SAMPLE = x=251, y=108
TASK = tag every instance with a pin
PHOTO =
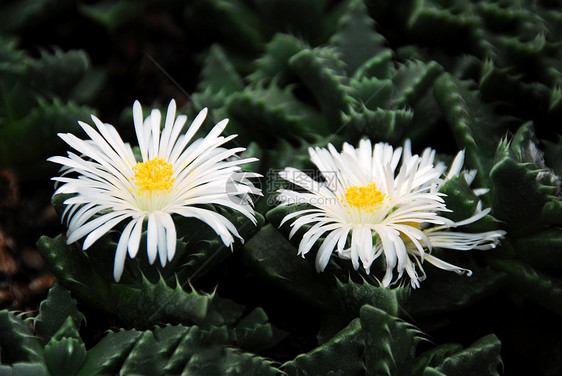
x=102, y=230
x=326, y=249
x=135, y=238
x=121, y=251
x=446, y=266
x=171, y=237
x=152, y=238
x=161, y=242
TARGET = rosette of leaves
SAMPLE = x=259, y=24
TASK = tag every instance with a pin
x=40, y=97
x=510, y=48
x=377, y=343
x=51, y=344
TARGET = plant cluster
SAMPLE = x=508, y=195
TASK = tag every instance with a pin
x=480, y=76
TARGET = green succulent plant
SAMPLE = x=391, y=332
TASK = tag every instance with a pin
x=483, y=76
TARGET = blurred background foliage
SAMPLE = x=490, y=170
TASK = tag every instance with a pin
x=484, y=76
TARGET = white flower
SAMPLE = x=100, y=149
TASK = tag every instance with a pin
x=175, y=176
x=368, y=206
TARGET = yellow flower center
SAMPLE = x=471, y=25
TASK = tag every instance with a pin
x=153, y=176
x=368, y=198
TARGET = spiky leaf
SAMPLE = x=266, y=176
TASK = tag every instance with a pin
x=472, y=123
x=109, y=353
x=321, y=71
x=218, y=73
x=533, y=284
x=390, y=344
x=352, y=296
x=356, y=37
x=340, y=355
x=54, y=312
x=274, y=66
x=481, y=358
x=150, y=303
x=412, y=80
x=65, y=356
x=18, y=342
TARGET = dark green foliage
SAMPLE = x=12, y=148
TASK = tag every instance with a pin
x=516, y=178
x=56, y=310
x=274, y=64
x=543, y=249
x=463, y=202
x=390, y=344
x=18, y=343
x=342, y=355
x=379, y=124
x=110, y=352
x=443, y=292
x=356, y=38
x=36, y=103
x=482, y=358
x=483, y=76
x=276, y=260
x=353, y=296
x=151, y=303
x=65, y=356
x=472, y=123
x=412, y=80
x=323, y=73
x=143, y=304
x=533, y=284
x=218, y=74
x=21, y=14
x=159, y=351
x=171, y=350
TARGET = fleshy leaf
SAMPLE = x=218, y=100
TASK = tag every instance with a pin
x=373, y=92
x=385, y=125
x=518, y=198
x=443, y=290
x=352, y=296
x=272, y=112
x=356, y=37
x=274, y=64
x=73, y=270
x=390, y=344
x=472, y=124
x=463, y=202
x=254, y=333
x=378, y=66
x=543, y=249
x=109, y=353
x=65, y=356
x=148, y=303
x=218, y=73
x=18, y=342
x=434, y=357
x=54, y=311
x=283, y=267
x=533, y=284
x=412, y=80
x=340, y=355
x=27, y=150
x=113, y=14
x=482, y=358
x=323, y=74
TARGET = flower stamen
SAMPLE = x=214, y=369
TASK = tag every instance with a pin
x=368, y=197
x=153, y=177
